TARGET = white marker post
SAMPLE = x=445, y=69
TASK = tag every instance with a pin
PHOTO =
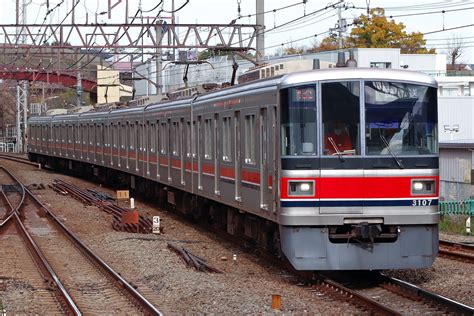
x=156, y=224
x=468, y=225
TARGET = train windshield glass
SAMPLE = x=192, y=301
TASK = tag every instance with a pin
x=298, y=121
x=400, y=119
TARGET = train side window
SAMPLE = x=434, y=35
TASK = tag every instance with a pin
x=208, y=139
x=175, y=138
x=152, y=139
x=250, y=139
x=131, y=136
x=341, y=118
x=194, y=139
x=163, y=140
x=71, y=133
x=226, y=139
x=188, y=139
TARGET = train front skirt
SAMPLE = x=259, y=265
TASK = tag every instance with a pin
x=309, y=248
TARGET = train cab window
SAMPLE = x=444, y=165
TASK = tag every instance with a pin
x=298, y=121
x=250, y=139
x=400, y=119
x=226, y=139
x=208, y=139
x=341, y=118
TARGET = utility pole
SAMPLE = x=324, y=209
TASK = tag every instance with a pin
x=159, y=33
x=79, y=89
x=22, y=87
x=340, y=28
x=260, y=21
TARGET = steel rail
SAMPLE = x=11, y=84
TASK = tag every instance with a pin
x=20, y=160
x=440, y=300
x=64, y=298
x=453, y=250
x=140, y=299
x=360, y=299
x=464, y=246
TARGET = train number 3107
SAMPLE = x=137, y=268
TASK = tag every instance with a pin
x=421, y=202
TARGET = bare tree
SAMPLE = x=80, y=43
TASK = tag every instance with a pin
x=455, y=50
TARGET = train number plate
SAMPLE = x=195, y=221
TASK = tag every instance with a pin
x=421, y=202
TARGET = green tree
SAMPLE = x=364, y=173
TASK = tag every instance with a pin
x=376, y=31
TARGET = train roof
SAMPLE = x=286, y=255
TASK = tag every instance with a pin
x=278, y=81
x=357, y=73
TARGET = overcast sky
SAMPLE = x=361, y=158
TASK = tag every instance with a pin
x=423, y=16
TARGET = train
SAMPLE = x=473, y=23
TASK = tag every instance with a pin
x=331, y=169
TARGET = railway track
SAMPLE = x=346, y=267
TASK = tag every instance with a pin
x=456, y=251
x=80, y=281
x=20, y=159
x=378, y=293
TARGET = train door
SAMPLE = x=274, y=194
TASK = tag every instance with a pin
x=263, y=139
x=110, y=142
x=138, y=145
x=127, y=145
x=272, y=158
x=182, y=151
x=114, y=144
x=238, y=157
x=216, y=155
x=194, y=153
x=120, y=144
x=82, y=140
x=170, y=149
x=104, y=141
x=341, y=166
x=148, y=136
x=158, y=148
x=89, y=128
x=199, y=150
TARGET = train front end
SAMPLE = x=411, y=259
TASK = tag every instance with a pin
x=358, y=171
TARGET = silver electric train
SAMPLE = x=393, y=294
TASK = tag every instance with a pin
x=334, y=169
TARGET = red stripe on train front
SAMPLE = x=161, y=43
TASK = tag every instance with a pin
x=360, y=187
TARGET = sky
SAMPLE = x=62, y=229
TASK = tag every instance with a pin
x=421, y=16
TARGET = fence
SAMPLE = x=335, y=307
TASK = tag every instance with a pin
x=7, y=147
x=465, y=207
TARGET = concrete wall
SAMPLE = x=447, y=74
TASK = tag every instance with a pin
x=455, y=174
x=456, y=111
x=109, y=88
x=365, y=56
x=430, y=63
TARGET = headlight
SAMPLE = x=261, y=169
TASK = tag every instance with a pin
x=417, y=186
x=301, y=188
x=423, y=187
x=305, y=187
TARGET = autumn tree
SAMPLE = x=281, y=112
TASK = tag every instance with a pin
x=376, y=31
x=328, y=43
x=293, y=50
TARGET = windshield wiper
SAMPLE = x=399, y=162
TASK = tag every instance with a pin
x=333, y=143
x=387, y=145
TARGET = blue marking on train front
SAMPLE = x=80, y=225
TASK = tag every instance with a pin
x=353, y=203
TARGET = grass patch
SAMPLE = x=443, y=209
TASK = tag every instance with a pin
x=454, y=224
